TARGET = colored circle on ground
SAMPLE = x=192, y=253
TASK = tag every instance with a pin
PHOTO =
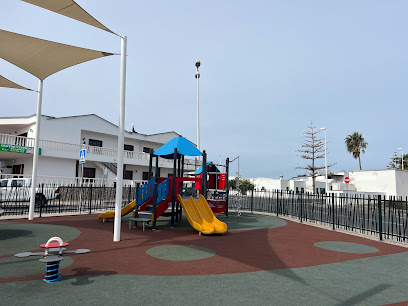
x=25, y=237
x=346, y=247
x=19, y=267
x=180, y=252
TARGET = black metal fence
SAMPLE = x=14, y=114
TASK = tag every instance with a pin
x=53, y=199
x=373, y=215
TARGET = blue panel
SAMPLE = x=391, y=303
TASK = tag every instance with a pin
x=163, y=190
x=145, y=191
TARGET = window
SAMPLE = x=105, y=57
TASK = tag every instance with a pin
x=128, y=175
x=145, y=176
x=146, y=150
x=95, y=143
x=302, y=190
x=129, y=147
x=18, y=169
x=89, y=172
x=297, y=189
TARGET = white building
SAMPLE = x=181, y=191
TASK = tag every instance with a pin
x=384, y=182
x=61, y=139
x=391, y=182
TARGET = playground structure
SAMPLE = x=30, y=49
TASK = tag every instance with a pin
x=155, y=197
x=52, y=256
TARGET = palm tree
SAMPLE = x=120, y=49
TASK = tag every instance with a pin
x=355, y=144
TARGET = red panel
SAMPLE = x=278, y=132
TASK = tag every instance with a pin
x=222, y=181
x=217, y=206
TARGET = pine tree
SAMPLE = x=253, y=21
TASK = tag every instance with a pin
x=312, y=150
x=395, y=162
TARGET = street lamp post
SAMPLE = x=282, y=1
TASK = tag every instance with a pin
x=402, y=158
x=197, y=76
x=325, y=157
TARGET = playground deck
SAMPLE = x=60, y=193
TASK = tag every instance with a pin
x=260, y=260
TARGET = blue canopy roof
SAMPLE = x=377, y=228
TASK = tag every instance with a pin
x=183, y=145
x=211, y=168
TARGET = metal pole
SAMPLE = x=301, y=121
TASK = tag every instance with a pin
x=36, y=148
x=325, y=158
x=197, y=76
x=155, y=195
x=119, y=182
x=226, y=186
x=82, y=187
x=204, y=175
x=150, y=164
x=402, y=158
x=173, y=196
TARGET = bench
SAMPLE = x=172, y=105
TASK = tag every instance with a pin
x=144, y=220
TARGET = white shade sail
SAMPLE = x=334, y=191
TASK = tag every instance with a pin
x=9, y=84
x=69, y=8
x=42, y=58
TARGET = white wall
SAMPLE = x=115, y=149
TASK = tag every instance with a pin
x=49, y=166
x=401, y=182
x=267, y=183
x=375, y=181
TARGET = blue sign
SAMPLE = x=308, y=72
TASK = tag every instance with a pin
x=82, y=156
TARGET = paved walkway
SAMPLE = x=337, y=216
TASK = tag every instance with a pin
x=261, y=260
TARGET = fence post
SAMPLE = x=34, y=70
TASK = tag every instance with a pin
x=59, y=200
x=90, y=200
x=379, y=218
x=301, y=207
x=154, y=204
x=277, y=202
x=252, y=200
x=333, y=211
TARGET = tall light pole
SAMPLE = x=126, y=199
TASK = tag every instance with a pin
x=197, y=76
x=402, y=158
x=325, y=157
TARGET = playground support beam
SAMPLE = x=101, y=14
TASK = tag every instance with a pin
x=173, y=197
x=35, y=157
x=226, y=186
x=150, y=164
x=121, y=141
x=155, y=193
x=204, y=174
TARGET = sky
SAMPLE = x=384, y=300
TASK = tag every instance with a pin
x=269, y=69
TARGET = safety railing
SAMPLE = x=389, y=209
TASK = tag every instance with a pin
x=145, y=191
x=163, y=190
x=385, y=217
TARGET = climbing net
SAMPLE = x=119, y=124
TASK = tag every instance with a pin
x=238, y=197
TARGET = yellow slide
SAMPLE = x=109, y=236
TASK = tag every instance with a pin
x=194, y=217
x=125, y=210
x=199, y=218
x=207, y=214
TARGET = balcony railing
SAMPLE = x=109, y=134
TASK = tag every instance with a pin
x=16, y=140
x=90, y=150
